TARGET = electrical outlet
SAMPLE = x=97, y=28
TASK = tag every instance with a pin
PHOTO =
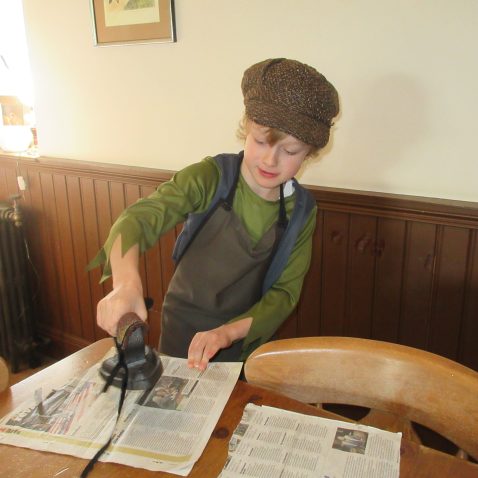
x=22, y=184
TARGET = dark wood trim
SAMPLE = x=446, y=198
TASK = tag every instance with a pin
x=442, y=211
x=113, y=172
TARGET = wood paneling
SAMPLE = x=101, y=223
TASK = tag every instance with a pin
x=389, y=251
x=418, y=273
x=335, y=240
x=361, y=275
x=469, y=331
x=395, y=268
x=310, y=303
x=447, y=309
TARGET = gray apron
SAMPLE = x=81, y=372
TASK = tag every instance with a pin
x=218, y=278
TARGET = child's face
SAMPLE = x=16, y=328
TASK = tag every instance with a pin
x=265, y=167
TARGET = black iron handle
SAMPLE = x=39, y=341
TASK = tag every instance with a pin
x=130, y=337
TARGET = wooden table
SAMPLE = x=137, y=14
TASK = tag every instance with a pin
x=416, y=461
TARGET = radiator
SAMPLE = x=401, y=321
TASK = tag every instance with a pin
x=17, y=334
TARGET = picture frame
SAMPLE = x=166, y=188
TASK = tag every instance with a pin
x=122, y=22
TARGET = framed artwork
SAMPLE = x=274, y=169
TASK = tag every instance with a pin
x=120, y=22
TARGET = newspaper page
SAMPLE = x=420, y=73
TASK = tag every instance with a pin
x=273, y=442
x=163, y=429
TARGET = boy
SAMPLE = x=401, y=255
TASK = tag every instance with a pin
x=247, y=240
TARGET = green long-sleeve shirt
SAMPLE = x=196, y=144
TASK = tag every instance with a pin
x=191, y=191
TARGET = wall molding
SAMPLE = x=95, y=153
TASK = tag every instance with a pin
x=446, y=211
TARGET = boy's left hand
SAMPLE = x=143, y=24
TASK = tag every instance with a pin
x=205, y=345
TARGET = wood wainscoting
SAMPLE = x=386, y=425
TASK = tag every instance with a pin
x=402, y=269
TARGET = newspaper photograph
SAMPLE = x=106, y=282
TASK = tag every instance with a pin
x=274, y=442
x=162, y=429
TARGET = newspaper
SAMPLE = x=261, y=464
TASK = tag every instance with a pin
x=273, y=442
x=164, y=429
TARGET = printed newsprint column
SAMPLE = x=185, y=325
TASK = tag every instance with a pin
x=164, y=429
x=273, y=442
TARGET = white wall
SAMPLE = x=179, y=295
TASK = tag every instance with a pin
x=406, y=72
x=15, y=75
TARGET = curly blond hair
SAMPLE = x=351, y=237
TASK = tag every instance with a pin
x=273, y=135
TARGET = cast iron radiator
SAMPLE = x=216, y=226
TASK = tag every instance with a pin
x=17, y=335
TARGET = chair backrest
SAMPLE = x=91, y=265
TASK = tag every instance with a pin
x=413, y=384
x=4, y=375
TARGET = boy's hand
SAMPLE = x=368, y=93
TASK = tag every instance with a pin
x=205, y=345
x=126, y=297
x=127, y=293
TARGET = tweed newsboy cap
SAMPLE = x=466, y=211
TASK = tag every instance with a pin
x=290, y=96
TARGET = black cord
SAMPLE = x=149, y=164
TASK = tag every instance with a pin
x=121, y=365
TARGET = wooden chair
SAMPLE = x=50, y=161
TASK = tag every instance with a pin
x=4, y=375
x=399, y=384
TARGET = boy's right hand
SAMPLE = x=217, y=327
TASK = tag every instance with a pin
x=124, y=298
